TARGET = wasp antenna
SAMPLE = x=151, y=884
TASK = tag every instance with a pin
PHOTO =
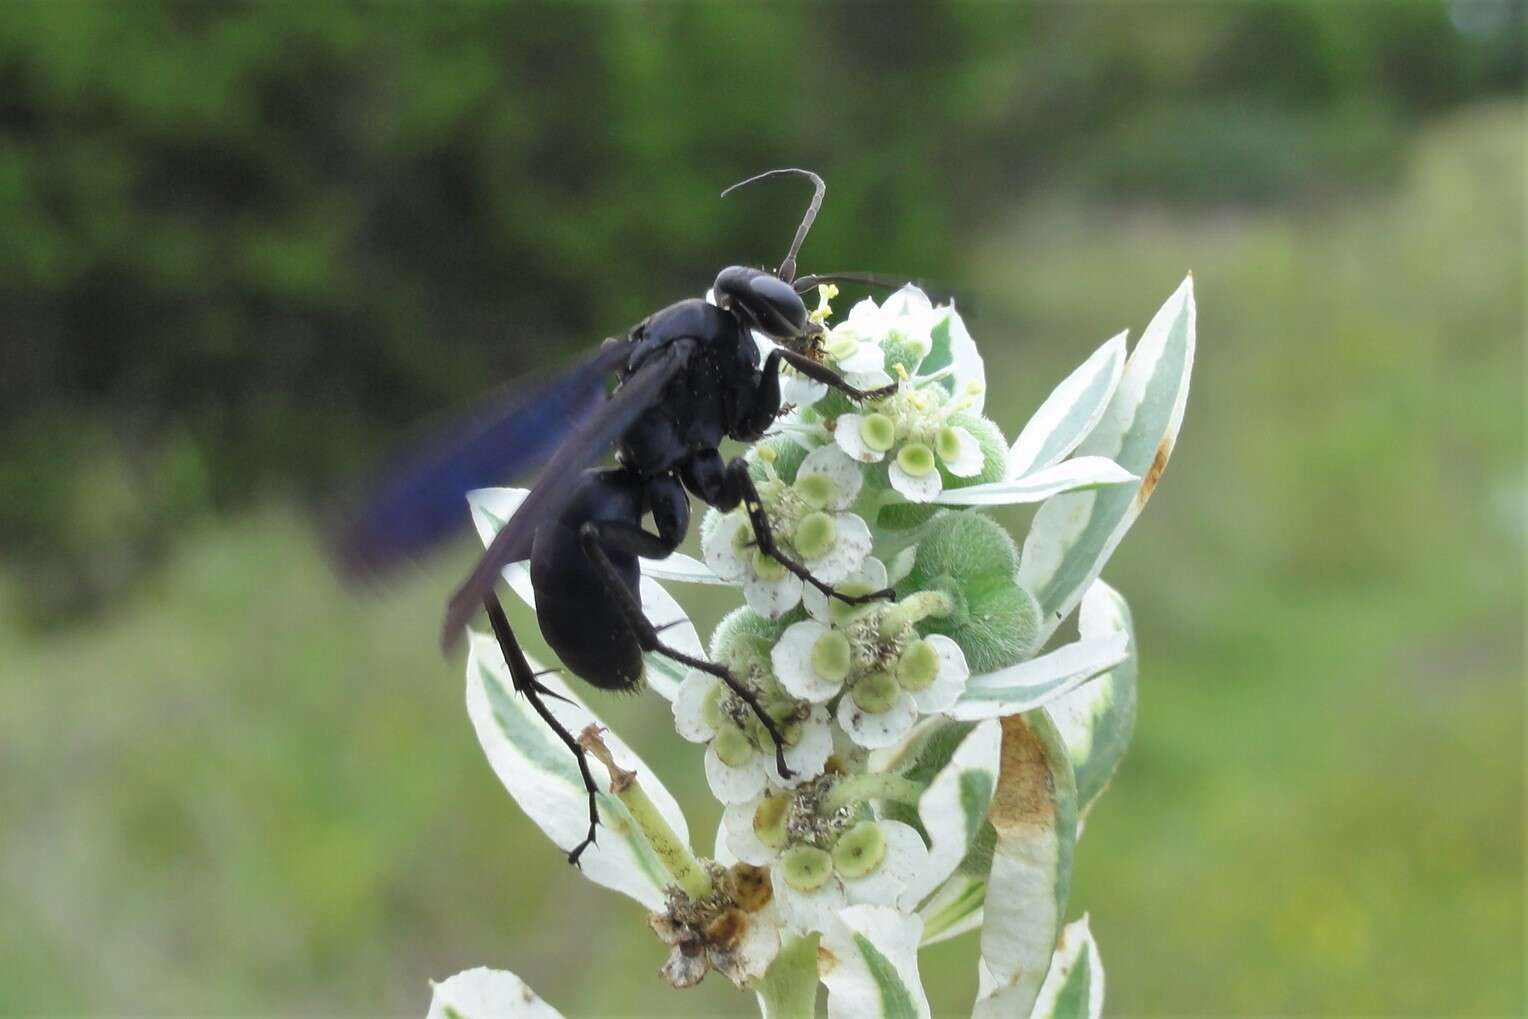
x=787, y=270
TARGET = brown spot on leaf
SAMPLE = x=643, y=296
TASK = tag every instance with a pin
x=1154, y=472
x=750, y=886
x=1024, y=794
x=727, y=930
x=827, y=962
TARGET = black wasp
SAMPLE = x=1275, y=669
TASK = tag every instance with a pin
x=688, y=376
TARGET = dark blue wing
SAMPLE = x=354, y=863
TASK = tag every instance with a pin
x=419, y=501
x=595, y=434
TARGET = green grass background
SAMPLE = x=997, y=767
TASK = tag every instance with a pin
x=245, y=792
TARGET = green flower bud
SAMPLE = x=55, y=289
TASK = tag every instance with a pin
x=878, y=432
x=806, y=868
x=876, y=693
x=815, y=535
x=769, y=820
x=830, y=656
x=787, y=458
x=860, y=850
x=732, y=745
x=744, y=638
x=973, y=560
x=903, y=351
x=918, y=666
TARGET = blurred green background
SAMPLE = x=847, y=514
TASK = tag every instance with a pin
x=245, y=249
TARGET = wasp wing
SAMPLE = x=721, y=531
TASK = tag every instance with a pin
x=419, y=501
x=559, y=478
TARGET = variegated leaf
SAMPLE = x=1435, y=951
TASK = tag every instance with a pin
x=1070, y=412
x=1081, y=474
x=1097, y=718
x=1074, y=534
x=1034, y=816
x=953, y=809
x=869, y=962
x=542, y=775
x=484, y=993
x=1074, y=987
x=1037, y=682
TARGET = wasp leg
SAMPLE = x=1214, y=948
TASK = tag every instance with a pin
x=525, y=683
x=596, y=538
x=726, y=487
x=822, y=373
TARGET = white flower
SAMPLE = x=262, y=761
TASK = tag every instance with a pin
x=880, y=707
x=810, y=525
x=872, y=863
x=869, y=578
x=740, y=758
x=911, y=428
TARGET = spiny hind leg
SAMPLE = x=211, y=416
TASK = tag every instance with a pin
x=598, y=536
x=526, y=684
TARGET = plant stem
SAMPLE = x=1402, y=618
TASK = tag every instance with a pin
x=875, y=785
x=677, y=858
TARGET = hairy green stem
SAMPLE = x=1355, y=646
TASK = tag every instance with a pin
x=677, y=858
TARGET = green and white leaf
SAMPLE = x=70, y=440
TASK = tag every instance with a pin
x=1034, y=815
x=788, y=989
x=1037, y=682
x=542, y=775
x=484, y=993
x=491, y=509
x=1097, y=719
x=1074, y=533
x=1080, y=474
x=869, y=962
x=1071, y=411
x=1074, y=987
x=681, y=568
x=953, y=809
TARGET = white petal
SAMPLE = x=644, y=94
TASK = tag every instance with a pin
x=867, y=357
x=908, y=302
x=871, y=572
x=773, y=598
x=792, y=662
x=866, y=319
x=746, y=963
x=968, y=458
x=906, y=855
x=689, y=706
x=734, y=784
x=721, y=554
x=807, y=911
x=810, y=754
x=737, y=832
x=846, y=433
x=920, y=488
x=851, y=545
x=876, y=378
x=484, y=992
x=800, y=391
x=491, y=509
x=882, y=730
x=838, y=465
x=950, y=682
x=970, y=374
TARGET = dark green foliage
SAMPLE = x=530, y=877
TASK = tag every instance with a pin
x=247, y=246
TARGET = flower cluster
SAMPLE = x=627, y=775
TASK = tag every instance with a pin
x=940, y=757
